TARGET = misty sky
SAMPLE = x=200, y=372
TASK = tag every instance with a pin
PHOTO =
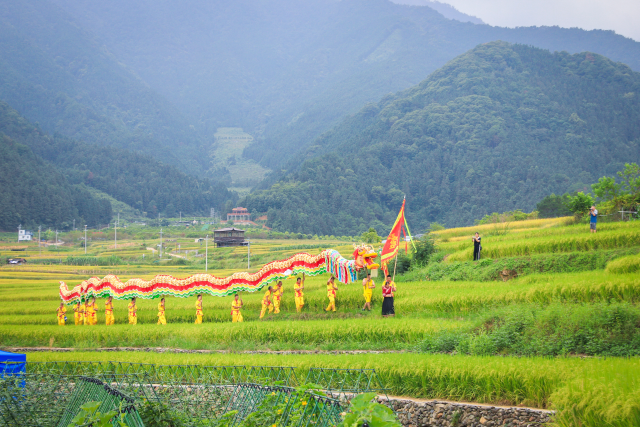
x=622, y=16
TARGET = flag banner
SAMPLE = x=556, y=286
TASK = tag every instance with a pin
x=390, y=249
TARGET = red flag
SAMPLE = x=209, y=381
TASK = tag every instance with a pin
x=390, y=249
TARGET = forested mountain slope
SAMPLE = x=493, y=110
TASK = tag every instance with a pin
x=286, y=71
x=56, y=74
x=34, y=193
x=496, y=129
x=136, y=179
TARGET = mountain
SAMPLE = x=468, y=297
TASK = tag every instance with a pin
x=445, y=10
x=34, y=193
x=286, y=71
x=496, y=129
x=136, y=179
x=57, y=74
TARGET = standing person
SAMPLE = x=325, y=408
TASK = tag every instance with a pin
x=133, y=312
x=593, y=219
x=62, y=314
x=477, y=247
x=85, y=318
x=108, y=312
x=236, y=305
x=199, y=312
x=161, y=319
x=331, y=294
x=277, y=294
x=78, y=313
x=266, y=301
x=388, y=290
x=368, y=286
x=298, y=288
x=90, y=312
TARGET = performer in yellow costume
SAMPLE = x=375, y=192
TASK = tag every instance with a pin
x=90, y=312
x=266, y=301
x=133, y=312
x=161, y=319
x=368, y=286
x=62, y=314
x=108, y=312
x=277, y=294
x=236, y=305
x=199, y=312
x=85, y=318
x=78, y=313
x=298, y=288
x=331, y=294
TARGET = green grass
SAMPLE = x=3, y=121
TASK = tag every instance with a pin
x=537, y=382
x=626, y=265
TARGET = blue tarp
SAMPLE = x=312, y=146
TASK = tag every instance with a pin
x=12, y=363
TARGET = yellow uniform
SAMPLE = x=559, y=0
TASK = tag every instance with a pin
x=62, y=312
x=199, y=312
x=133, y=318
x=90, y=314
x=161, y=319
x=266, y=303
x=78, y=314
x=297, y=288
x=85, y=318
x=367, y=286
x=236, y=316
x=331, y=294
x=108, y=313
x=277, y=294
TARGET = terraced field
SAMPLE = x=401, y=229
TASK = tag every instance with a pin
x=562, y=333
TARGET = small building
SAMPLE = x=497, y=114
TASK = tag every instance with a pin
x=25, y=235
x=239, y=215
x=229, y=237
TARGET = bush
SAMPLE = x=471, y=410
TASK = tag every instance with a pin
x=425, y=247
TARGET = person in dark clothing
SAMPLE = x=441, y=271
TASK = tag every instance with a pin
x=476, y=247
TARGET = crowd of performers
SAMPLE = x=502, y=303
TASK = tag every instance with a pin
x=85, y=312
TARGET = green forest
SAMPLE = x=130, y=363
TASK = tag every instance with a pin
x=496, y=129
x=57, y=169
x=35, y=193
x=161, y=77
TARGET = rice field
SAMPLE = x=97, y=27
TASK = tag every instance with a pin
x=588, y=392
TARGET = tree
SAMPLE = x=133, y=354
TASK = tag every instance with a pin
x=580, y=203
x=425, y=247
x=606, y=188
x=371, y=236
x=630, y=177
x=553, y=206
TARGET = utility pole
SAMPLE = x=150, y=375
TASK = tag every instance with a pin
x=19, y=228
x=115, y=227
x=248, y=254
x=85, y=239
x=206, y=253
x=160, y=252
x=180, y=216
x=39, y=227
x=74, y=225
x=56, y=236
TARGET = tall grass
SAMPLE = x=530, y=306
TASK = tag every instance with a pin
x=625, y=265
x=538, y=382
x=620, y=238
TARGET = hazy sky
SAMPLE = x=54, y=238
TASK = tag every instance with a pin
x=622, y=16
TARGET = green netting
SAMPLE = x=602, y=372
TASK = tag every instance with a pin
x=203, y=394
x=93, y=390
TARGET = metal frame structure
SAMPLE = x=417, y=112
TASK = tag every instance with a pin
x=204, y=394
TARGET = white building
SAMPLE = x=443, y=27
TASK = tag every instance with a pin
x=24, y=235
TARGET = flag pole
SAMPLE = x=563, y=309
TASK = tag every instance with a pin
x=394, y=267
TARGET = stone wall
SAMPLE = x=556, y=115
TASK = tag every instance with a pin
x=447, y=414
